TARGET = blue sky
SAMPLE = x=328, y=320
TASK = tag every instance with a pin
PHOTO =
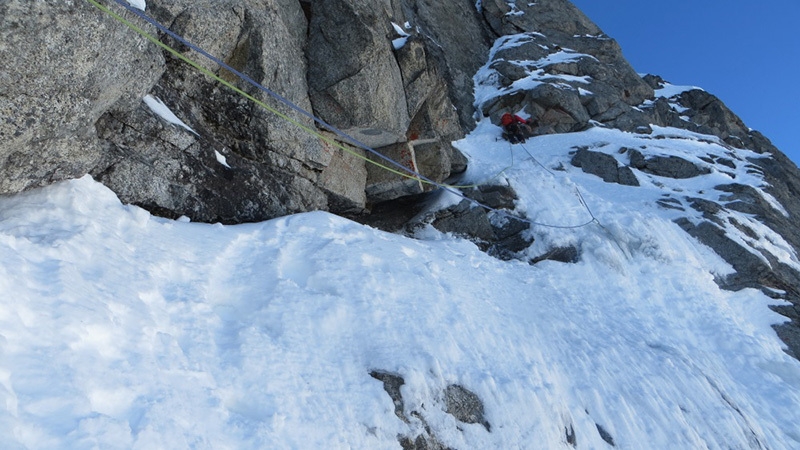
x=747, y=53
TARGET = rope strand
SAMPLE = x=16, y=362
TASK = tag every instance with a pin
x=577, y=191
x=406, y=172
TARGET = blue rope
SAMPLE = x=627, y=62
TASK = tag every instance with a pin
x=272, y=93
x=142, y=15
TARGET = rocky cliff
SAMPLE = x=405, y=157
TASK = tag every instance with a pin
x=73, y=97
x=397, y=75
x=72, y=103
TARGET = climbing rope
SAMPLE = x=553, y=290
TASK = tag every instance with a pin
x=585, y=205
x=403, y=170
x=577, y=191
x=239, y=91
x=406, y=172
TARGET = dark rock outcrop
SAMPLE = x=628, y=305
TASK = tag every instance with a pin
x=461, y=403
x=485, y=216
x=604, y=166
x=392, y=384
x=464, y=405
x=666, y=166
x=560, y=254
x=605, y=435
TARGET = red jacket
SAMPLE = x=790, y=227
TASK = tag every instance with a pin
x=508, y=119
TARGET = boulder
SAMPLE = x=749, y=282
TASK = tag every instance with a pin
x=666, y=166
x=557, y=107
x=457, y=42
x=355, y=83
x=65, y=64
x=467, y=220
x=464, y=405
x=604, y=166
x=272, y=167
x=568, y=255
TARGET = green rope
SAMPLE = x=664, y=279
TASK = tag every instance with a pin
x=267, y=107
x=244, y=94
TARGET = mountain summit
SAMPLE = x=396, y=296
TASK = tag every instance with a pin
x=318, y=238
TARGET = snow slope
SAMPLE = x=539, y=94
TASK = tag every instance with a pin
x=123, y=330
x=120, y=330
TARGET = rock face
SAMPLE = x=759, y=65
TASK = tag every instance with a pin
x=578, y=73
x=53, y=90
x=365, y=67
x=73, y=105
x=272, y=167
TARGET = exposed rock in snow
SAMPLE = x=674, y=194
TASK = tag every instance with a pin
x=605, y=166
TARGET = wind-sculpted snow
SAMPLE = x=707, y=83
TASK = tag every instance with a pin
x=122, y=330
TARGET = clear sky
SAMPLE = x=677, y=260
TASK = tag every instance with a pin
x=747, y=53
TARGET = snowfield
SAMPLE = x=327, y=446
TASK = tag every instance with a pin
x=124, y=330
x=121, y=330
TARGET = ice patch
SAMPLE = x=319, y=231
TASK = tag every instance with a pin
x=669, y=90
x=163, y=111
x=138, y=4
x=221, y=159
x=400, y=42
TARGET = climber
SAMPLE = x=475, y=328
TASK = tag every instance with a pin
x=515, y=128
